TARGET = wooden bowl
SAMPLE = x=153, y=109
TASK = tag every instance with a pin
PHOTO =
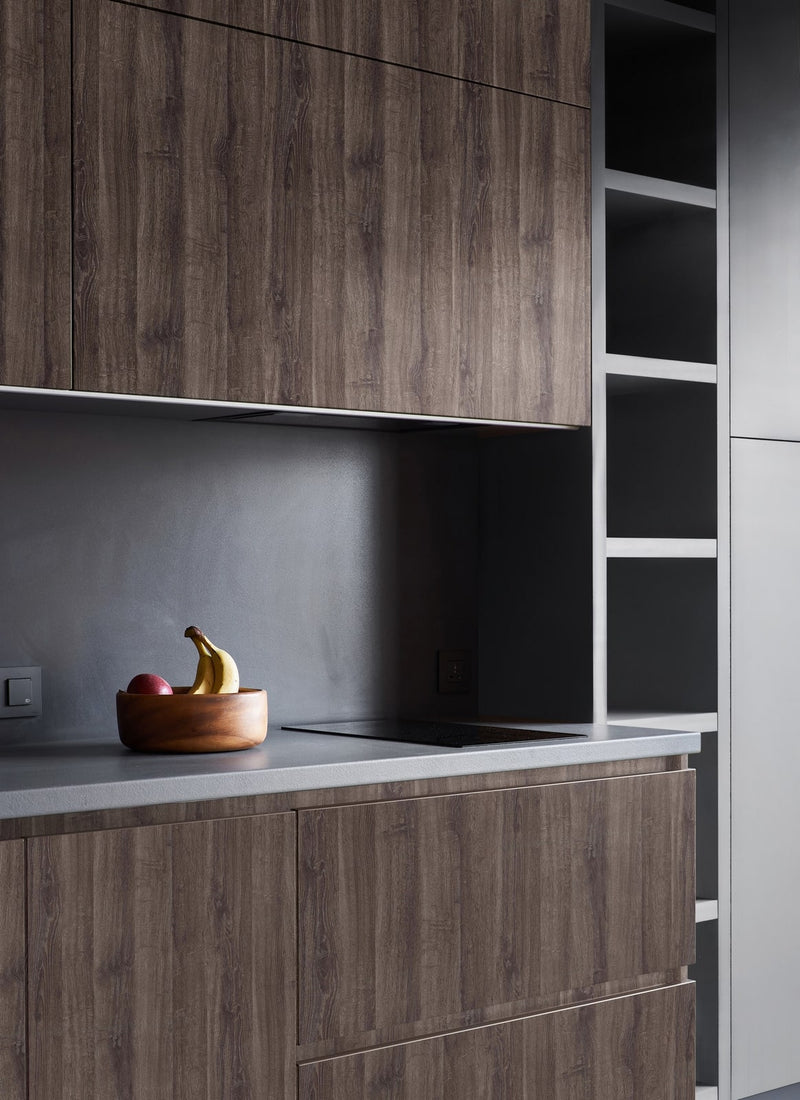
x=192, y=723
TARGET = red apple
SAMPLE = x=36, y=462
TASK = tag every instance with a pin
x=146, y=683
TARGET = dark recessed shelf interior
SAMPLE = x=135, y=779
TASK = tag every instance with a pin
x=660, y=98
x=698, y=5
x=661, y=280
x=662, y=462
x=705, y=972
x=662, y=634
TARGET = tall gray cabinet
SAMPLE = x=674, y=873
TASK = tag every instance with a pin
x=765, y=546
x=659, y=394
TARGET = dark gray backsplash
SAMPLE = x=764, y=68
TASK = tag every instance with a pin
x=332, y=563
x=285, y=545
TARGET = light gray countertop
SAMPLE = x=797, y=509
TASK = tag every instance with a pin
x=76, y=776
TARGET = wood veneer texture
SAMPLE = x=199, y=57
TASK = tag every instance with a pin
x=162, y=962
x=35, y=244
x=261, y=220
x=412, y=911
x=12, y=971
x=534, y=46
x=639, y=1047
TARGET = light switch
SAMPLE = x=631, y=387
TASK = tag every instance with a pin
x=20, y=691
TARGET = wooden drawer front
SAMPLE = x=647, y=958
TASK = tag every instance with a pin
x=259, y=220
x=424, y=910
x=534, y=46
x=35, y=193
x=162, y=962
x=12, y=970
x=639, y=1047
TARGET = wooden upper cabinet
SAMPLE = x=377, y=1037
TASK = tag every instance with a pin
x=536, y=46
x=12, y=971
x=162, y=962
x=259, y=220
x=438, y=911
x=35, y=193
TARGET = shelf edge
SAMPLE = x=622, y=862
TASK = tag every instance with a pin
x=653, y=187
x=660, y=548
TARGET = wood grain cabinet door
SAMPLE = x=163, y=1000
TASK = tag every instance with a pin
x=266, y=221
x=428, y=914
x=536, y=46
x=35, y=193
x=12, y=971
x=162, y=962
x=639, y=1047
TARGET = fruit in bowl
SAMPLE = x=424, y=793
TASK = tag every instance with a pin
x=147, y=683
x=214, y=714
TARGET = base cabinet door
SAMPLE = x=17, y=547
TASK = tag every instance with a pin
x=12, y=970
x=638, y=1047
x=162, y=962
x=260, y=220
x=431, y=914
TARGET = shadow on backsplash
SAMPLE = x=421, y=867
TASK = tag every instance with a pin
x=334, y=564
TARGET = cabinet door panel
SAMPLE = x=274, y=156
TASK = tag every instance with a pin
x=259, y=220
x=35, y=193
x=427, y=910
x=638, y=1047
x=12, y=970
x=765, y=764
x=162, y=962
x=533, y=46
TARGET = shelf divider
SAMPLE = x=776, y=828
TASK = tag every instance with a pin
x=706, y=1092
x=632, y=184
x=669, y=370
x=660, y=548
x=665, y=720
x=706, y=909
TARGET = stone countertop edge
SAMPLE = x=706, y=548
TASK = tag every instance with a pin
x=84, y=776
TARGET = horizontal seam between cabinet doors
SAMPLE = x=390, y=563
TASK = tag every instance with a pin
x=347, y=53
x=678, y=983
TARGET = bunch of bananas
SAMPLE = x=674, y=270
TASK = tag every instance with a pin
x=217, y=673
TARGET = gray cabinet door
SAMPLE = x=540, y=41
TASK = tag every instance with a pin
x=765, y=218
x=765, y=625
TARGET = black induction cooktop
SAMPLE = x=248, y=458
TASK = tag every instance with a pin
x=451, y=735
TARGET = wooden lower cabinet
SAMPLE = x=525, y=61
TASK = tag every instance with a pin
x=12, y=970
x=638, y=1047
x=429, y=914
x=162, y=963
x=492, y=944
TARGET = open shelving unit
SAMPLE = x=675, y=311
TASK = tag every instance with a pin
x=661, y=553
